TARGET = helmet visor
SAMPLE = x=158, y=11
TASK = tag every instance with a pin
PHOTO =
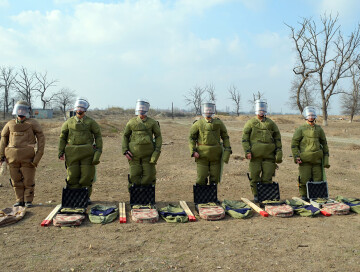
x=21, y=110
x=142, y=107
x=260, y=107
x=81, y=105
x=208, y=109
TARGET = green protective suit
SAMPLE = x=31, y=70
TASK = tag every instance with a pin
x=81, y=142
x=262, y=139
x=142, y=137
x=310, y=145
x=205, y=138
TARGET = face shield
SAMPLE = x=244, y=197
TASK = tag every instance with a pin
x=142, y=107
x=81, y=105
x=208, y=110
x=310, y=113
x=260, y=107
x=21, y=110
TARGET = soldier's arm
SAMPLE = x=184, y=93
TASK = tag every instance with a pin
x=126, y=138
x=295, y=143
x=96, y=131
x=4, y=140
x=225, y=136
x=63, y=138
x=193, y=138
x=40, y=138
x=277, y=138
x=158, y=142
x=323, y=142
x=246, y=138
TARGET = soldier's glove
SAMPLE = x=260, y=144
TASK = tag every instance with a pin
x=326, y=162
x=128, y=155
x=226, y=155
x=34, y=164
x=155, y=156
x=278, y=156
x=96, y=158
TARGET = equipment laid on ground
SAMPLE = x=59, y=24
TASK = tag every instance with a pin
x=278, y=208
x=144, y=214
x=255, y=207
x=354, y=203
x=189, y=213
x=101, y=214
x=237, y=209
x=11, y=215
x=206, y=202
x=268, y=191
x=318, y=189
x=173, y=214
x=122, y=209
x=47, y=221
x=310, y=208
x=142, y=201
x=210, y=211
x=331, y=206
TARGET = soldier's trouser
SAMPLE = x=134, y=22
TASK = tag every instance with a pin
x=23, y=180
x=142, y=172
x=261, y=170
x=80, y=173
x=205, y=169
x=308, y=171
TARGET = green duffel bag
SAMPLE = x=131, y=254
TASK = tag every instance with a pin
x=354, y=203
x=303, y=210
x=173, y=214
x=100, y=214
x=237, y=209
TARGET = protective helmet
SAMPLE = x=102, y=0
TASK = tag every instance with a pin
x=81, y=104
x=260, y=107
x=21, y=109
x=309, y=111
x=208, y=109
x=142, y=107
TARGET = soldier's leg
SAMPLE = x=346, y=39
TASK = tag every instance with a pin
x=87, y=173
x=255, y=170
x=73, y=175
x=317, y=174
x=203, y=168
x=305, y=173
x=215, y=170
x=135, y=171
x=28, y=172
x=17, y=181
x=268, y=170
x=149, y=172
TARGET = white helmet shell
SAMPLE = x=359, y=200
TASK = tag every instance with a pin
x=81, y=104
x=260, y=107
x=309, y=111
x=21, y=108
x=208, y=109
x=142, y=107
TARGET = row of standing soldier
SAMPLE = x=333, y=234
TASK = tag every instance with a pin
x=80, y=146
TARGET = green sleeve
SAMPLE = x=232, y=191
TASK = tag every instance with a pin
x=225, y=136
x=295, y=143
x=323, y=142
x=157, y=134
x=63, y=138
x=277, y=138
x=193, y=138
x=126, y=138
x=96, y=131
x=246, y=137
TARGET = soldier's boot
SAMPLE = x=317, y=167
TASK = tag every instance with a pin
x=17, y=204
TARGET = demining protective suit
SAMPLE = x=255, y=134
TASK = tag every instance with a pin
x=81, y=143
x=141, y=144
x=261, y=141
x=206, y=146
x=19, y=138
x=310, y=150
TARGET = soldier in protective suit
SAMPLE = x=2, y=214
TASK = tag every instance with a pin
x=18, y=140
x=141, y=145
x=310, y=150
x=206, y=147
x=80, y=146
x=261, y=141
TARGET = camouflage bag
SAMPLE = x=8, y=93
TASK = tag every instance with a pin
x=278, y=208
x=353, y=203
x=11, y=215
x=237, y=209
x=303, y=210
x=210, y=211
x=68, y=220
x=173, y=214
x=333, y=207
x=100, y=214
x=144, y=214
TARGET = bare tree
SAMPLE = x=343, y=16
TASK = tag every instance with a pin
x=235, y=97
x=43, y=85
x=195, y=98
x=210, y=89
x=301, y=97
x=25, y=85
x=256, y=96
x=328, y=54
x=350, y=102
x=7, y=78
x=64, y=99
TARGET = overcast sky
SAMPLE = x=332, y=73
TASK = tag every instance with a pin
x=113, y=52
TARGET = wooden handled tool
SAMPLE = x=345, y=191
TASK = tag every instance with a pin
x=47, y=221
x=255, y=207
x=190, y=215
x=122, y=210
x=317, y=206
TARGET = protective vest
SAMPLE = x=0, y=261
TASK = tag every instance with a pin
x=22, y=136
x=261, y=138
x=205, y=138
x=77, y=131
x=309, y=144
x=142, y=137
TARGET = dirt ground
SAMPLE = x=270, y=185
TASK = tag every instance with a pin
x=255, y=244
